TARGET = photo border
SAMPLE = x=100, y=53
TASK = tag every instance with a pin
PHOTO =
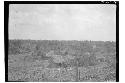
x=6, y=25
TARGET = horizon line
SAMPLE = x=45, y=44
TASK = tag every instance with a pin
x=62, y=40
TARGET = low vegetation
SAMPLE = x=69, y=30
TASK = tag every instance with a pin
x=61, y=61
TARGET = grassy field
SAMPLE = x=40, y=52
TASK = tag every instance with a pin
x=61, y=61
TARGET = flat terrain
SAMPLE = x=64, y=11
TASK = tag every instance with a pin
x=61, y=61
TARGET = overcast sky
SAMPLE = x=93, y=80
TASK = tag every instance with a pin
x=62, y=22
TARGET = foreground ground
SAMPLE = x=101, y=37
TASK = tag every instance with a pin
x=67, y=61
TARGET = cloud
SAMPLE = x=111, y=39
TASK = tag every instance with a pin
x=63, y=22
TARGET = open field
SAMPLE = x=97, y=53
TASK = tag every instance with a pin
x=61, y=61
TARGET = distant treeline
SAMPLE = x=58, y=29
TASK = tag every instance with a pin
x=26, y=46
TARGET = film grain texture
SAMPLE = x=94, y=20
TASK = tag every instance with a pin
x=62, y=43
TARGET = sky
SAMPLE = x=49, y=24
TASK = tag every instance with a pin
x=95, y=22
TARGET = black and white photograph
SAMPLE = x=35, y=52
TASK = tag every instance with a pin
x=69, y=42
